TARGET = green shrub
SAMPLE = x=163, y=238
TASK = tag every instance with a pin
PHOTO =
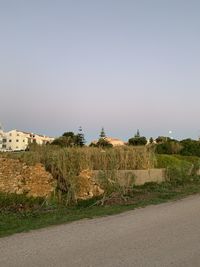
x=177, y=169
x=190, y=147
x=164, y=161
x=137, y=141
x=169, y=147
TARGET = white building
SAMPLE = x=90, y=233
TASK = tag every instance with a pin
x=18, y=140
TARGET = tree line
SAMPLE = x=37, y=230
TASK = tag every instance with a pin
x=162, y=144
x=70, y=139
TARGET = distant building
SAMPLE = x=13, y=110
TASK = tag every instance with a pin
x=15, y=140
x=115, y=141
x=112, y=141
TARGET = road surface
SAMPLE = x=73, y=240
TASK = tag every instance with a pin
x=162, y=235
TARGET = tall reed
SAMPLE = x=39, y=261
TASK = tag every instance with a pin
x=65, y=164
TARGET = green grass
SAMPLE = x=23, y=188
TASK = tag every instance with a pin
x=22, y=221
x=166, y=161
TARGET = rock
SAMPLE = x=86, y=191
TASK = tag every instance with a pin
x=17, y=177
x=87, y=187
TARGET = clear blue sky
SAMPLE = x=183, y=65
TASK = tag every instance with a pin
x=121, y=64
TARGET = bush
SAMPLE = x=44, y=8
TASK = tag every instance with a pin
x=190, y=147
x=69, y=139
x=169, y=147
x=102, y=142
x=137, y=141
x=192, y=159
x=164, y=161
x=177, y=169
x=186, y=147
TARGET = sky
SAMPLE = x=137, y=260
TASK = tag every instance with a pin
x=119, y=64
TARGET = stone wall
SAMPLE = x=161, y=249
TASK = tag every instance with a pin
x=138, y=177
x=17, y=177
x=142, y=176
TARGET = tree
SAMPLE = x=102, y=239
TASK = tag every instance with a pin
x=60, y=141
x=102, y=142
x=190, y=147
x=137, y=140
x=162, y=139
x=80, y=139
x=68, y=139
x=137, y=134
x=64, y=141
x=69, y=134
x=151, y=140
x=169, y=147
x=102, y=133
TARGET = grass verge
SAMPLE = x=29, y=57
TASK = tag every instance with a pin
x=16, y=221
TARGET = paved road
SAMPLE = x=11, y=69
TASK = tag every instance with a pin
x=163, y=235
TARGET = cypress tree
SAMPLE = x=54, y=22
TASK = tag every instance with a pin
x=102, y=133
x=80, y=137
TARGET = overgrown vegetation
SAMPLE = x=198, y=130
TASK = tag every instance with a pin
x=75, y=158
x=102, y=143
x=19, y=213
x=186, y=147
x=179, y=169
x=70, y=139
x=65, y=164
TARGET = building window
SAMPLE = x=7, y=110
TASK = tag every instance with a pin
x=17, y=140
x=10, y=134
x=4, y=140
x=10, y=140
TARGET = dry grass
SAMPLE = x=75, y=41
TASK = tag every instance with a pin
x=119, y=158
x=65, y=164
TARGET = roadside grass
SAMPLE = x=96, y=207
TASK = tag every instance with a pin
x=39, y=215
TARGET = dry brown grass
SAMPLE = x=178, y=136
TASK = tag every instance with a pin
x=65, y=164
